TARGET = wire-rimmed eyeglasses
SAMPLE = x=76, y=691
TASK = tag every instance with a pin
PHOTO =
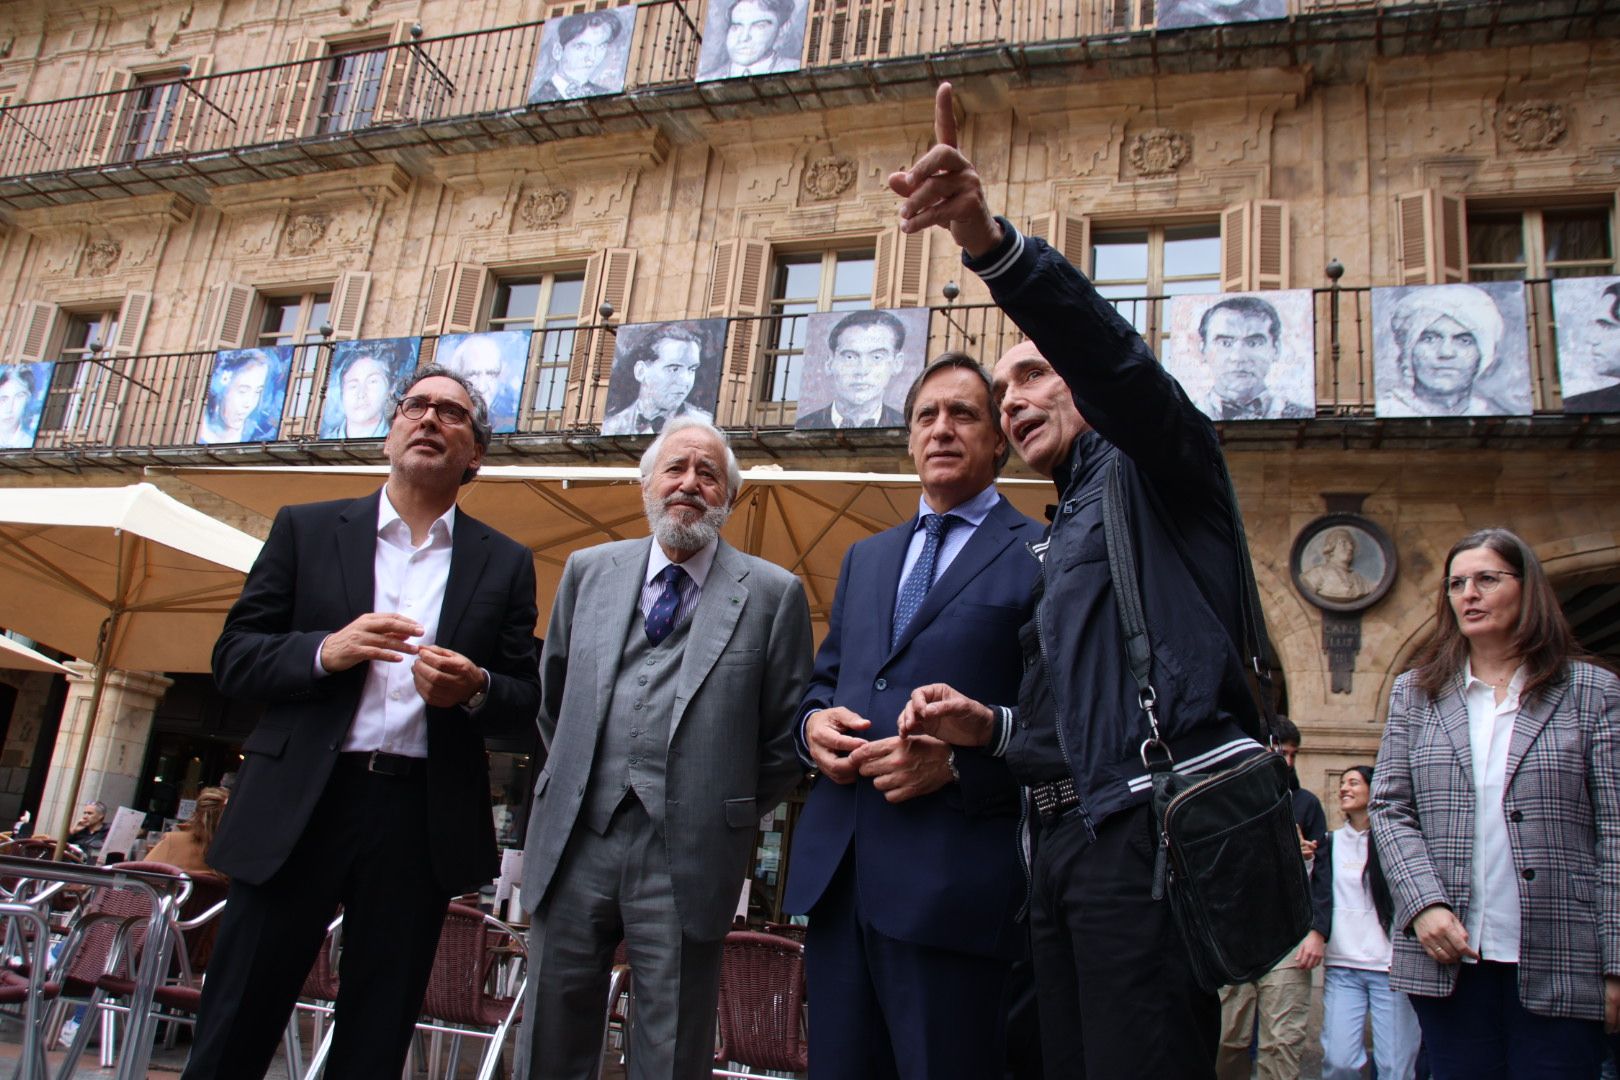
x=1486, y=581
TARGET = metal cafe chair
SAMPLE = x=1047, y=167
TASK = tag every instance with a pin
x=28, y=941
x=762, y=1005
x=317, y=997
x=619, y=1014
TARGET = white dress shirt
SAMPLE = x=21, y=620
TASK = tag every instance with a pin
x=1493, y=916
x=973, y=512
x=410, y=580
x=697, y=566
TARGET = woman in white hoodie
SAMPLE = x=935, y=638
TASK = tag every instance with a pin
x=1350, y=934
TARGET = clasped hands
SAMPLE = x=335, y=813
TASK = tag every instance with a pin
x=443, y=677
x=904, y=766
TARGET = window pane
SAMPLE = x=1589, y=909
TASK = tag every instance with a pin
x=566, y=294
x=853, y=276
x=1192, y=250
x=1129, y=303
x=1496, y=273
x=1121, y=256
x=515, y=301
x=1192, y=286
x=280, y=320
x=320, y=314
x=1573, y=235
x=799, y=279
x=1495, y=238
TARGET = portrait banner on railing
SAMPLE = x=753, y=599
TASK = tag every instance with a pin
x=1176, y=14
x=360, y=384
x=752, y=37
x=662, y=371
x=1588, y=314
x=858, y=366
x=1451, y=350
x=246, y=391
x=494, y=362
x=583, y=55
x=22, y=400
x=1245, y=356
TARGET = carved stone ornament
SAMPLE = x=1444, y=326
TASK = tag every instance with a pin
x=829, y=177
x=1532, y=125
x=1159, y=151
x=543, y=209
x=304, y=233
x=101, y=256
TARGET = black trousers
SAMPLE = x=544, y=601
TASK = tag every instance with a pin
x=365, y=849
x=1116, y=990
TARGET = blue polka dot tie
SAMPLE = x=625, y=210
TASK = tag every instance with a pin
x=661, y=617
x=922, y=573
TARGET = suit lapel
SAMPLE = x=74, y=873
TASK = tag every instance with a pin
x=988, y=541
x=891, y=559
x=357, y=553
x=1535, y=709
x=1453, y=710
x=713, y=620
x=611, y=607
x=469, y=551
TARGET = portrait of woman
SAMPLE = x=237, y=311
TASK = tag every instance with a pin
x=22, y=397
x=360, y=387
x=1451, y=350
x=245, y=394
x=1496, y=815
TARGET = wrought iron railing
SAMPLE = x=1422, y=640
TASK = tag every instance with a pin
x=157, y=401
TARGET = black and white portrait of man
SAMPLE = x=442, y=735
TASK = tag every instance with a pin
x=1175, y=14
x=1245, y=356
x=1451, y=350
x=661, y=371
x=858, y=365
x=583, y=55
x=752, y=37
x=1588, y=313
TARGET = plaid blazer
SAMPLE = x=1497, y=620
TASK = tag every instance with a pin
x=1562, y=798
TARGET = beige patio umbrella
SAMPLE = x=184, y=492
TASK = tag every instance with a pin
x=127, y=576
x=19, y=657
x=802, y=520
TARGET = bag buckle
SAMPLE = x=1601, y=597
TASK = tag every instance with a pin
x=1149, y=701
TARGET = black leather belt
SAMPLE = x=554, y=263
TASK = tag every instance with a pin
x=383, y=764
x=1055, y=797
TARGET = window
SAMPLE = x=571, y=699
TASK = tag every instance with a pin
x=354, y=75
x=297, y=321
x=802, y=284
x=549, y=305
x=1138, y=266
x=1512, y=245
x=152, y=105
x=86, y=335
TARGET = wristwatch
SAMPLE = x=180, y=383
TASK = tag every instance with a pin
x=481, y=696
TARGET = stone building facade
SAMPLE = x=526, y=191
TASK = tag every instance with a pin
x=194, y=175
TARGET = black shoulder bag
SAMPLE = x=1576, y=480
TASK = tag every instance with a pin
x=1228, y=850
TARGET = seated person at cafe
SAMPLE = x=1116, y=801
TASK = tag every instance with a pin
x=186, y=846
x=90, y=831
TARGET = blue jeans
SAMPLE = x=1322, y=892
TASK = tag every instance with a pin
x=1483, y=1032
x=1348, y=995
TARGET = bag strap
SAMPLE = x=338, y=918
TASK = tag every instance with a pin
x=1256, y=644
x=1155, y=751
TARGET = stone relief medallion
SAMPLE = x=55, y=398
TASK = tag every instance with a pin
x=101, y=256
x=1532, y=125
x=1159, y=151
x=543, y=209
x=304, y=233
x=829, y=177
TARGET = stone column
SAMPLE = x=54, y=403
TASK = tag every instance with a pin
x=117, y=747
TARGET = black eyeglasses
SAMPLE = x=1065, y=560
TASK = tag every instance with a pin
x=1485, y=580
x=448, y=412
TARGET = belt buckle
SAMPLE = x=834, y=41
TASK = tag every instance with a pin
x=383, y=764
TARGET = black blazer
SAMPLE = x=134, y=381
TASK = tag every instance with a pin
x=314, y=576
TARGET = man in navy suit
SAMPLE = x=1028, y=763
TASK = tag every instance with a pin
x=905, y=858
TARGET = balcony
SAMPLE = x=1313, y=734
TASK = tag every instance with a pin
x=148, y=409
x=466, y=92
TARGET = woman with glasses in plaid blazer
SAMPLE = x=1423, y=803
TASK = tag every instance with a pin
x=1496, y=811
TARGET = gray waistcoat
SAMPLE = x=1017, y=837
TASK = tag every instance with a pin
x=635, y=739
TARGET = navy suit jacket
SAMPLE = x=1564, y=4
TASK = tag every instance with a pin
x=942, y=869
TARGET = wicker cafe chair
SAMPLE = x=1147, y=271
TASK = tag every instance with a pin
x=317, y=996
x=762, y=1004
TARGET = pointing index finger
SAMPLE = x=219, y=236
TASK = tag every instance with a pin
x=944, y=116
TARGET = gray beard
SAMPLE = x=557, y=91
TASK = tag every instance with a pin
x=677, y=535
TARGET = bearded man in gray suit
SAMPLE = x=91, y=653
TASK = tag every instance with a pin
x=671, y=674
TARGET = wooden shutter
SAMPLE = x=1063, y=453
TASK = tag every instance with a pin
x=109, y=112
x=38, y=333
x=349, y=303
x=294, y=90
x=619, y=268
x=900, y=269
x=1430, y=238
x=225, y=314
x=737, y=287
x=455, y=296
x=584, y=340
x=401, y=81
x=191, y=115
x=1255, y=246
x=1070, y=234
x=131, y=323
